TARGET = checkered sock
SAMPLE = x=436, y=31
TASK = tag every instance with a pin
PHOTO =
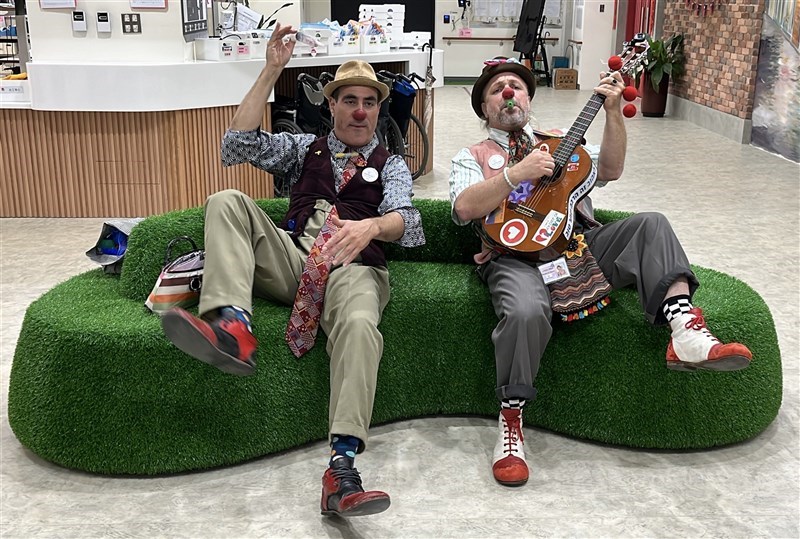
x=515, y=404
x=237, y=312
x=676, y=306
x=343, y=446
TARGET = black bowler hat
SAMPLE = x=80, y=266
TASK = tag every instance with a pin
x=495, y=66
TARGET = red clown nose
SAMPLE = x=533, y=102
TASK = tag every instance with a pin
x=508, y=93
x=615, y=63
x=359, y=115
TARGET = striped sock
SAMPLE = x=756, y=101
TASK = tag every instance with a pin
x=516, y=404
x=343, y=446
x=236, y=312
x=676, y=306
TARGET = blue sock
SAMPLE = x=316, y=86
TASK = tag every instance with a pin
x=236, y=312
x=343, y=446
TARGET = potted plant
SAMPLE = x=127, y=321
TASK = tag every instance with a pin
x=665, y=59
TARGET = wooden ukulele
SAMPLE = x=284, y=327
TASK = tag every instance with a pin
x=541, y=214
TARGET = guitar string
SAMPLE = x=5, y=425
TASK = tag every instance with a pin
x=589, y=112
x=572, y=137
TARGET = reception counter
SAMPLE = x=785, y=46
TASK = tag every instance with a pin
x=127, y=140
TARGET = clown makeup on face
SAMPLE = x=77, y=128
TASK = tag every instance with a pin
x=495, y=107
x=355, y=114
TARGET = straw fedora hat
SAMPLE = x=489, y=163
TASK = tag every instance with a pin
x=492, y=68
x=356, y=73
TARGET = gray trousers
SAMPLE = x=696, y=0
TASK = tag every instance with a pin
x=641, y=250
x=246, y=254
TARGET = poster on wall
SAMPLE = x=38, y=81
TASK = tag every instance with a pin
x=195, y=21
x=782, y=12
x=57, y=4
x=776, y=124
x=148, y=4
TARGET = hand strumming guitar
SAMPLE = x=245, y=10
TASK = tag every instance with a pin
x=534, y=166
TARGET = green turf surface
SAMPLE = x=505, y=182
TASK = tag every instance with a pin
x=95, y=385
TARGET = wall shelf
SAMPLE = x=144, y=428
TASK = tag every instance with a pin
x=501, y=40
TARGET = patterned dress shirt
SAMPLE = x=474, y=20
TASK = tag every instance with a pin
x=283, y=154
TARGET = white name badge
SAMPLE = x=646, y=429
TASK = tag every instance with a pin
x=369, y=174
x=496, y=161
x=554, y=271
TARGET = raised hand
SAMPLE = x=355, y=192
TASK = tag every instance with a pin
x=279, y=52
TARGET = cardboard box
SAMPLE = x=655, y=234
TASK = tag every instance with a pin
x=565, y=79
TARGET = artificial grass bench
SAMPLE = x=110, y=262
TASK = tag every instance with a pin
x=96, y=386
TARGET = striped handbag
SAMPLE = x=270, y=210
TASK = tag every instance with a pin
x=180, y=280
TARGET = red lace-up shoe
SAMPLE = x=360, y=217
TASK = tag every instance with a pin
x=343, y=495
x=692, y=347
x=225, y=343
x=508, y=466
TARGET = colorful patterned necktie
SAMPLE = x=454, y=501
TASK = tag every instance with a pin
x=519, y=146
x=301, y=332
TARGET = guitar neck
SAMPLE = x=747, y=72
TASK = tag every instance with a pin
x=575, y=134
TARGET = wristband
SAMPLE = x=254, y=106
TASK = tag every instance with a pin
x=508, y=181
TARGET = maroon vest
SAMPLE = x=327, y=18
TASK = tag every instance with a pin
x=359, y=199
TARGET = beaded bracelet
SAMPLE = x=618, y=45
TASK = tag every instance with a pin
x=508, y=181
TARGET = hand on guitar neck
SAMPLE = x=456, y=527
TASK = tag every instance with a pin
x=611, y=87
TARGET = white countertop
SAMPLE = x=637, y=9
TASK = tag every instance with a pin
x=139, y=87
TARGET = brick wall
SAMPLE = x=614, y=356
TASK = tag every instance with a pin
x=721, y=53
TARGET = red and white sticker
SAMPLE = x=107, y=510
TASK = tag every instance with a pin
x=513, y=232
x=548, y=228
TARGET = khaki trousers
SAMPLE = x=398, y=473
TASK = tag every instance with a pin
x=246, y=254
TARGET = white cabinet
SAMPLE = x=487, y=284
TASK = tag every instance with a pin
x=593, y=38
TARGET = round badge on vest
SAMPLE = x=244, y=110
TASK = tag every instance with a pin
x=496, y=162
x=369, y=174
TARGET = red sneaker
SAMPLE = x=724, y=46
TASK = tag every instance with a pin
x=692, y=347
x=343, y=495
x=225, y=343
x=509, y=466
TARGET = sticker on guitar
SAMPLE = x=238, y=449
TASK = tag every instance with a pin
x=513, y=232
x=548, y=228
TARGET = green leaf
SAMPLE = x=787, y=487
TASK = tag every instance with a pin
x=655, y=78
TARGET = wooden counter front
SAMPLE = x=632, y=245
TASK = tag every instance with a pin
x=125, y=164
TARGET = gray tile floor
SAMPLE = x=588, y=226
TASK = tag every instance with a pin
x=735, y=208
